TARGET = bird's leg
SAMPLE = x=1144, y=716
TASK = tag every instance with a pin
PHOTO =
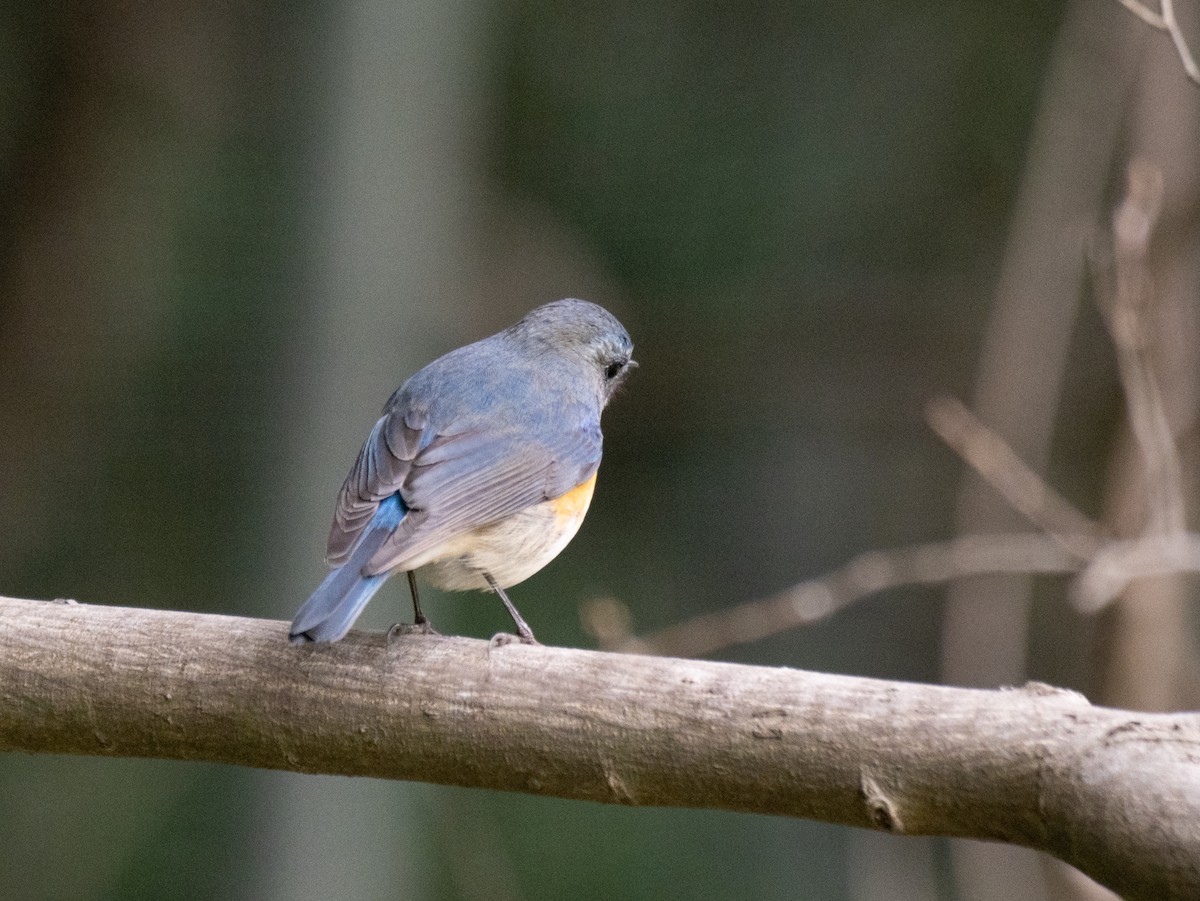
x=419, y=618
x=421, y=624
x=523, y=630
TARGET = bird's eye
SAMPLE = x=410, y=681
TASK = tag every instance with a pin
x=613, y=370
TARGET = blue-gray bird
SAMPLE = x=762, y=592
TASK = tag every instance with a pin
x=480, y=470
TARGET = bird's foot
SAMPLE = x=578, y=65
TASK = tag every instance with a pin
x=422, y=628
x=500, y=639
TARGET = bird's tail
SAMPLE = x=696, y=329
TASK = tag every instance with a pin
x=331, y=610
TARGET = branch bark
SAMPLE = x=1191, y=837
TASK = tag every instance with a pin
x=1113, y=793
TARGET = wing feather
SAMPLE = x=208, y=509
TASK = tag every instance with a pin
x=463, y=477
x=478, y=478
x=382, y=465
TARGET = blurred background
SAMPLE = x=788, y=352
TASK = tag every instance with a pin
x=229, y=230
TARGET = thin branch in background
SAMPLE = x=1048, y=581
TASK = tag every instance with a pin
x=1147, y=15
x=1068, y=542
x=1181, y=47
x=868, y=573
x=998, y=464
x=1103, y=576
x=1166, y=21
x=1119, y=563
x=1128, y=323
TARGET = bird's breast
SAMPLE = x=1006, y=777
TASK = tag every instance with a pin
x=573, y=505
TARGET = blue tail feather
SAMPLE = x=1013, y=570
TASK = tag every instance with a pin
x=331, y=610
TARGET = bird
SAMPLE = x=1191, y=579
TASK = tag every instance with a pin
x=479, y=470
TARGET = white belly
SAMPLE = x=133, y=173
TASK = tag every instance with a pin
x=510, y=551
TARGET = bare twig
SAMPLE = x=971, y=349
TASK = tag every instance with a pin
x=1069, y=541
x=1181, y=47
x=868, y=573
x=1147, y=15
x=998, y=464
x=1118, y=563
x=1128, y=322
x=1104, y=573
x=1167, y=22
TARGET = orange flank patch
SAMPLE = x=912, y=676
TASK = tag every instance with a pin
x=575, y=502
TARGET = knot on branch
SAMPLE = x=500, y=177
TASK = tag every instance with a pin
x=881, y=810
x=1042, y=690
x=619, y=790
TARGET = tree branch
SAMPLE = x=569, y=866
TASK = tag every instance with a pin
x=1166, y=21
x=1125, y=314
x=1112, y=566
x=868, y=573
x=1106, y=566
x=1115, y=794
x=1000, y=466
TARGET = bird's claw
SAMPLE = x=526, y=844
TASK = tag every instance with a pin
x=500, y=639
x=421, y=628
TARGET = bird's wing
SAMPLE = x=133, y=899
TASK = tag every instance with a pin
x=458, y=479
x=383, y=463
